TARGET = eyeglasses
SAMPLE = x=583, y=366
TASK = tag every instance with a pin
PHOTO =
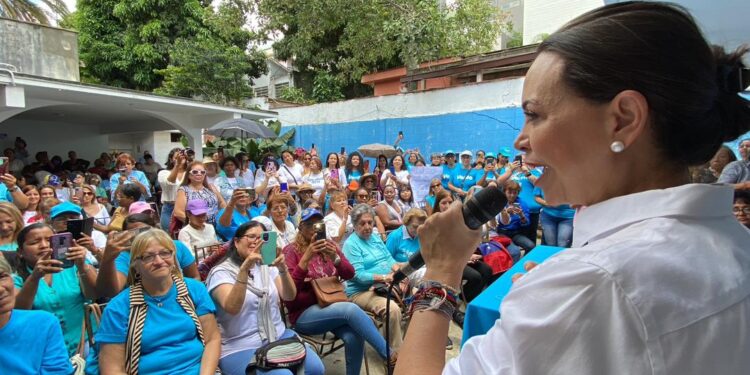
x=197, y=172
x=85, y=193
x=251, y=237
x=434, y=186
x=363, y=196
x=279, y=208
x=163, y=254
x=744, y=210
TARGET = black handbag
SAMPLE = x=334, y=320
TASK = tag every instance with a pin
x=287, y=353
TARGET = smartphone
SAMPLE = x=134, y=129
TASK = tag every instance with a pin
x=134, y=233
x=61, y=242
x=375, y=195
x=249, y=191
x=270, y=167
x=519, y=159
x=268, y=249
x=284, y=187
x=400, y=133
x=78, y=192
x=367, y=165
x=320, y=231
x=79, y=227
x=313, y=146
x=334, y=174
x=4, y=165
x=343, y=149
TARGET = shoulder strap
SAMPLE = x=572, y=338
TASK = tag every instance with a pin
x=291, y=174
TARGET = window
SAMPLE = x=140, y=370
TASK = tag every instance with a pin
x=261, y=91
x=279, y=87
x=175, y=137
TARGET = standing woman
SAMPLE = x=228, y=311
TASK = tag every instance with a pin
x=228, y=182
x=169, y=179
x=315, y=177
x=333, y=164
x=195, y=186
x=127, y=175
x=389, y=210
x=355, y=167
x=306, y=159
x=290, y=170
x=32, y=214
x=638, y=84
x=95, y=209
x=248, y=296
x=397, y=175
x=43, y=284
x=162, y=323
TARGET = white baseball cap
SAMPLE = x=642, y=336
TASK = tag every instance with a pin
x=466, y=153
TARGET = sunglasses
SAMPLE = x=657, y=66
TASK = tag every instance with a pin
x=85, y=193
x=434, y=186
x=363, y=196
x=197, y=172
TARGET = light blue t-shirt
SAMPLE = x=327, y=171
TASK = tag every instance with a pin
x=65, y=300
x=368, y=258
x=184, y=257
x=114, y=182
x=237, y=219
x=562, y=211
x=464, y=179
x=5, y=195
x=430, y=200
x=401, y=248
x=32, y=343
x=170, y=340
x=448, y=173
x=527, y=190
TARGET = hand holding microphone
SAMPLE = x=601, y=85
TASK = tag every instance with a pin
x=448, y=239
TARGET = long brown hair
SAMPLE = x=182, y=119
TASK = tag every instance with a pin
x=186, y=179
x=442, y=194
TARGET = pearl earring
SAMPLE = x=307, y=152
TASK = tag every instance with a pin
x=617, y=147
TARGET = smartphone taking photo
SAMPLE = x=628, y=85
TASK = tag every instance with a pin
x=320, y=231
x=61, y=242
x=268, y=249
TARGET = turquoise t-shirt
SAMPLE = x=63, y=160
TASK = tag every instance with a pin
x=237, y=219
x=527, y=190
x=63, y=299
x=430, y=200
x=368, y=258
x=184, y=257
x=32, y=343
x=353, y=176
x=170, y=341
x=448, y=173
x=562, y=211
x=401, y=248
x=466, y=178
x=13, y=246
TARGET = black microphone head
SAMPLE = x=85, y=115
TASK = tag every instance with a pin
x=483, y=207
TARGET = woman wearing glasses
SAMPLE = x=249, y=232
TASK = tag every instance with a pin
x=160, y=318
x=436, y=186
x=195, y=186
x=741, y=207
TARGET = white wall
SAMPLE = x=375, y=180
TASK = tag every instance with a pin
x=56, y=138
x=487, y=95
x=546, y=16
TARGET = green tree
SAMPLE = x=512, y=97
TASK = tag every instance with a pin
x=214, y=65
x=36, y=11
x=350, y=38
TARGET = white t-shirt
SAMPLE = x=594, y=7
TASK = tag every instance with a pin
x=27, y=215
x=240, y=332
x=656, y=283
x=401, y=176
x=168, y=189
x=260, y=176
x=286, y=236
x=333, y=224
x=293, y=174
x=342, y=176
x=102, y=217
x=317, y=181
x=247, y=177
x=193, y=237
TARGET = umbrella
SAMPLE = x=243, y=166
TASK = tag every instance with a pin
x=374, y=150
x=241, y=128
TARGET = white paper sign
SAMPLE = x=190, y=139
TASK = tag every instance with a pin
x=420, y=181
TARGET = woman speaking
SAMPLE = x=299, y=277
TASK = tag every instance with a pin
x=658, y=278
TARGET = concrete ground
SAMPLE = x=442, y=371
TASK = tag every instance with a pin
x=335, y=362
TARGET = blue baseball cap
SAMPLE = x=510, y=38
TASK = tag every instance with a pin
x=490, y=155
x=53, y=180
x=505, y=151
x=450, y=152
x=310, y=213
x=64, y=208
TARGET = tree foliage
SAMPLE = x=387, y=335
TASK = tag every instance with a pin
x=176, y=47
x=36, y=11
x=349, y=38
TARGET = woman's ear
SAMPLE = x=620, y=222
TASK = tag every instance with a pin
x=628, y=115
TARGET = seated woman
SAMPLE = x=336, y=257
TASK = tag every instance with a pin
x=162, y=323
x=239, y=210
x=32, y=214
x=247, y=294
x=372, y=264
x=389, y=210
x=307, y=260
x=404, y=242
x=95, y=209
x=46, y=284
x=741, y=207
x=124, y=196
x=338, y=224
x=514, y=217
x=11, y=224
x=116, y=259
x=277, y=208
x=31, y=341
x=197, y=233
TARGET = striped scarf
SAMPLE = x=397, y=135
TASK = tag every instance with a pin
x=137, y=319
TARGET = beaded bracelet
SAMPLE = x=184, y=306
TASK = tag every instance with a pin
x=428, y=284
x=433, y=296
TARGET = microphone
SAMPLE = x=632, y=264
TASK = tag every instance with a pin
x=481, y=208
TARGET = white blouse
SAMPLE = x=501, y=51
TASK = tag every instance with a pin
x=657, y=282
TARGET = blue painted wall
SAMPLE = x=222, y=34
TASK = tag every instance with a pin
x=487, y=130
